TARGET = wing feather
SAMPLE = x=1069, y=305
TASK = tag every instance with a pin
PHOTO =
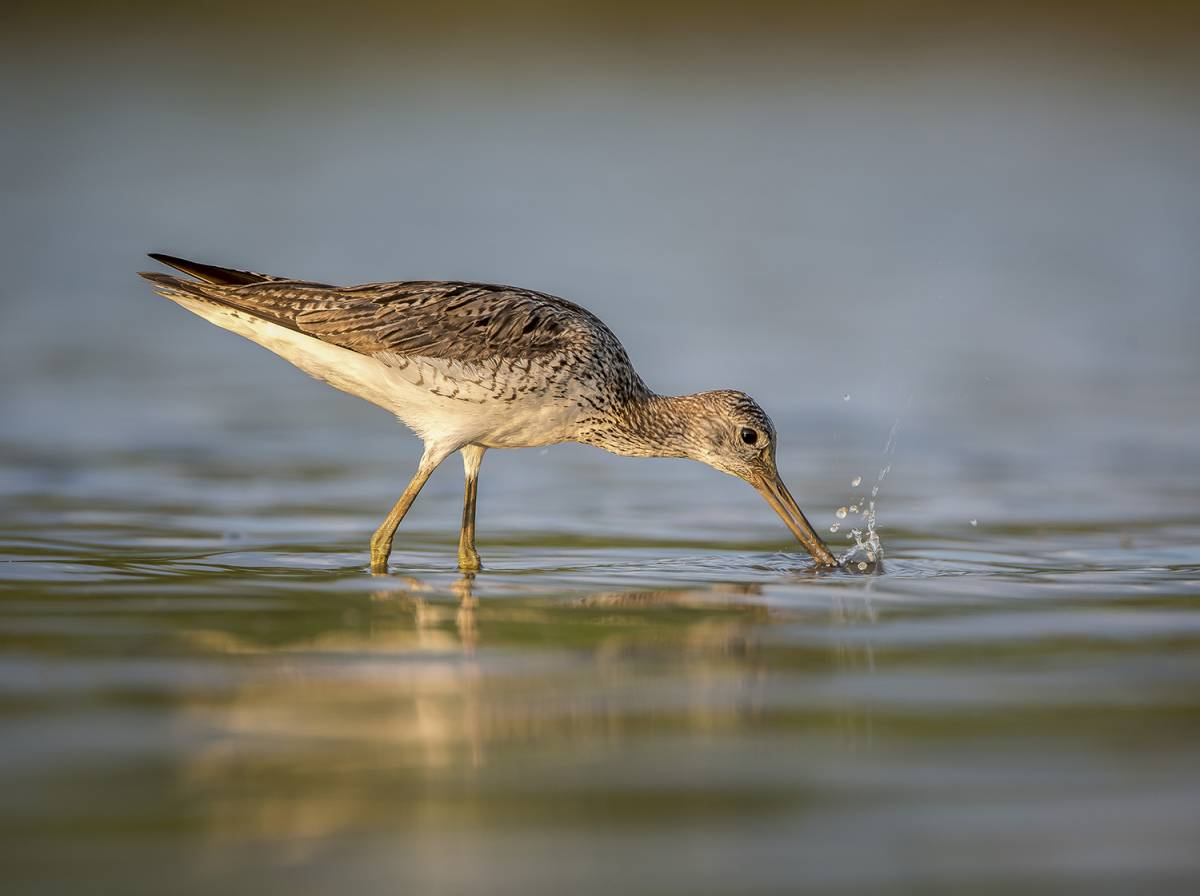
x=212, y=273
x=465, y=322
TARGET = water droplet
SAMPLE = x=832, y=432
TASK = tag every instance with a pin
x=841, y=513
x=856, y=482
x=874, y=491
x=846, y=397
x=834, y=527
x=974, y=522
x=853, y=508
x=862, y=567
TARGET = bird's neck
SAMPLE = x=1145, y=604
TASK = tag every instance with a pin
x=648, y=425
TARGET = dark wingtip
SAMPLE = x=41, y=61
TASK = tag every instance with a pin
x=209, y=273
x=168, y=260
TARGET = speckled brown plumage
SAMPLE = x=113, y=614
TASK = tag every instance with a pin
x=558, y=344
x=476, y=364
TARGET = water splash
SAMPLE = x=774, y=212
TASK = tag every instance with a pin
x=866, y=552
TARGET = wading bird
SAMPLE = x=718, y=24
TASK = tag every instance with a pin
x=472, y=366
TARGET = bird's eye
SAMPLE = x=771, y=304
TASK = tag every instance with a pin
x=749, y=436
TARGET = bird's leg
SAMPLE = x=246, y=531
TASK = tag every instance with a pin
x=468, y=557
x=381, y=541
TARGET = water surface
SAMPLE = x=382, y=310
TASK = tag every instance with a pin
x=647, y=689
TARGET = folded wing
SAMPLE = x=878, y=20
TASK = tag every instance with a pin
x=465, y=322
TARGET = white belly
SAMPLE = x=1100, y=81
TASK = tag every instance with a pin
x=440, y=401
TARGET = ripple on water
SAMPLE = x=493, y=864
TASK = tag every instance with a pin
x=225, y=679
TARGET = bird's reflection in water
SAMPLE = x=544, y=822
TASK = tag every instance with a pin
x=452, y=698
x=719, y=610
x=430, y=615
x=704, y=613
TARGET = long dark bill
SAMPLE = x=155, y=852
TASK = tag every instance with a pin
x=785, y=505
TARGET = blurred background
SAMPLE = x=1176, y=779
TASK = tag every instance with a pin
x=975, y=223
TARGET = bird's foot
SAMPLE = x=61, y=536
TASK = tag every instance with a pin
x=380, y=551
x=468, y=559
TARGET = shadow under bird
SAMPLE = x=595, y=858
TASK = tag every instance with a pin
x=473, y=366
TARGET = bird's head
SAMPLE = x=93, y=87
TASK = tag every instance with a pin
x=729, y=431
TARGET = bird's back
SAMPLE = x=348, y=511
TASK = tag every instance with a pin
x=521, y=367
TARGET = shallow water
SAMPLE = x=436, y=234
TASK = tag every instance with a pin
x=647, y=689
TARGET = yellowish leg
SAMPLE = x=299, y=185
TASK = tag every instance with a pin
x=381, y=541
x=468, y=557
